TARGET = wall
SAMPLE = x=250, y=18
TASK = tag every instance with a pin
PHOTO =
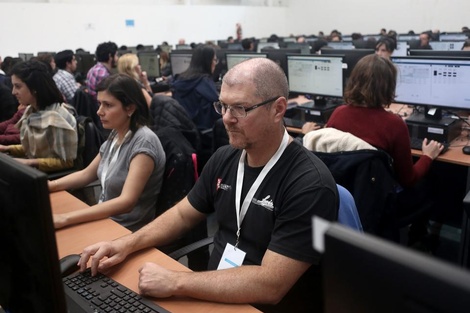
x=61, y=24
x=33, y=27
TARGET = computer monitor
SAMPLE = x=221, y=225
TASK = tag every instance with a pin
x=401, y=50
x=289, y=39
x=439, y=53
x=453, y=36
x=261, y=45
x=446, y=45
x=30, y=279
x=341, y=45
x=182, y=47
x=150, y=62
x=235, y=46
x=365, y=274
x=376, y=37
x=25, y=56
x=304, y=47
x=351, y=57
x=315, y=75
x=180, y=60
x=408, y=37
x=233, y=59
x=435, y=82
x=85, y=61
x=279, y=56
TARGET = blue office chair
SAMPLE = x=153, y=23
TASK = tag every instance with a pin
x=347, y=214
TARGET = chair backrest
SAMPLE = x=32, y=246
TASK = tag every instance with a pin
x=220, y=136
x=369, y=177
x=180, y=168
x=85, y=105
x=89, y=141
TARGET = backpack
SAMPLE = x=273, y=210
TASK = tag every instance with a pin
x=180, y=168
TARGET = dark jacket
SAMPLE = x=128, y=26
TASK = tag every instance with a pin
x=197, y=97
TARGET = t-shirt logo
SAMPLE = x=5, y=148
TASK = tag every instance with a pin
x=222, y=186
x=265, y=202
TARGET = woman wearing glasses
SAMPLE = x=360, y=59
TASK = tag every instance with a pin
x=195, y=90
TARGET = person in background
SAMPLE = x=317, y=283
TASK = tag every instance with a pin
x=195, y=89
x=48, y=59
x=129, y=64
x=48, y=129
x=165, y=65
x=424, y=39
x=385, y=47
x=64, y=79
x=466, y=45
x=106, y=57
x=248, y=44
x=130, y=164
x=283, y=185
x=9, y=134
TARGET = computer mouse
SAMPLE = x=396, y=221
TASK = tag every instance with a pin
x=466, y=150
x=68, y=264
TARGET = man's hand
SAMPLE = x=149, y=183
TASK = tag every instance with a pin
x=156, y=281
x=103, y=255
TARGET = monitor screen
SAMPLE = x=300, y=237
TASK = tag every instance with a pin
x=25, y=56
x=180, y=60
x=446, y=45
x=304, y=47
x=366, y=274
x=85, y=61
x=182, y=47
x=235, y=46
x=351, y=56
x=315, y=75
x=408, y=37
x=341, y=45
x=439, y=53
x=434, y=81
x=150, y=62
x=453, y=36
x=30, y=279
x=401, y=50
x=261, y=45
x=235, y=58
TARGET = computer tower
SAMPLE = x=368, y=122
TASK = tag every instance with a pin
x=442, y=130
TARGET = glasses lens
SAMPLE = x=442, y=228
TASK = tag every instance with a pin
x=238, y=111
x=218, y=107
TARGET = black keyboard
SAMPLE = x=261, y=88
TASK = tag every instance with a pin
x=417, y=143
x=101, y=293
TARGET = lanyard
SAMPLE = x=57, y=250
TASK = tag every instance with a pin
x=249, y=196
x=111, y=162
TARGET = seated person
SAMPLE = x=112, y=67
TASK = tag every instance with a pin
x=130, y=164
x=128, y=64
x=9, y=134
x=283, y=185
x=48, y=129
x=66, y=65
x=195, y=90
x=385, y=46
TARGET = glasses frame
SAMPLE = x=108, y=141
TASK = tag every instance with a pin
x=226, y=107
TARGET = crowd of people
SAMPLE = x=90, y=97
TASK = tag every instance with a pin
x=263, y=188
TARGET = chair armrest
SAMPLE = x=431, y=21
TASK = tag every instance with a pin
x=178, y=254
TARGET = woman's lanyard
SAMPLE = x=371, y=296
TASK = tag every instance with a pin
x=111, y=162
x=249, y=196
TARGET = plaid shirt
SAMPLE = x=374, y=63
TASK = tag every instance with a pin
x=95, y=75
x=66, y=84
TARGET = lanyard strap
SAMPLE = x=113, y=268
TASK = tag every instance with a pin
x=111, y=162
x=241, y=212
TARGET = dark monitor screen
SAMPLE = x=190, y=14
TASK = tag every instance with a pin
x=25, y=56
x=150, y=62
x=234, y=46
x=180, y=60
x=315, y=75
x=304, y=47
x=366, y=274
x=279, y=56
x=441, y=82
x=351, y=56
x=85, y=61
x=183, y=47
x=30, y=279
x=235, y=58
x=446, y=45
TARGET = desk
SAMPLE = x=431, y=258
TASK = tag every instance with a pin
x=73, y=239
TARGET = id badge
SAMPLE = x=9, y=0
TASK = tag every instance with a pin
x=232, y=257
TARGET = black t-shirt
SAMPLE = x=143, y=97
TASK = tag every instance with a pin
x=279, y=217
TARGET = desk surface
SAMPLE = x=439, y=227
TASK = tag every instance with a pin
x=73, y=239
x=453, y=155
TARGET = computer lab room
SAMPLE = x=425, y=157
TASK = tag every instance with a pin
x=220, y=156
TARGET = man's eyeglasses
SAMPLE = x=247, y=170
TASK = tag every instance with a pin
x=238, y=110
